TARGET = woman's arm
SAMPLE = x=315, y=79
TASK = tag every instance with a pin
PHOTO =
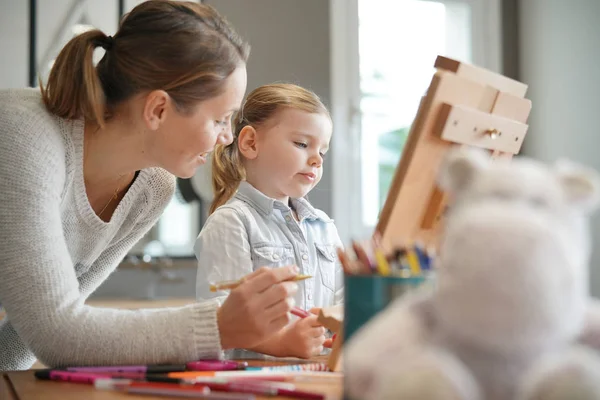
x=223, y=252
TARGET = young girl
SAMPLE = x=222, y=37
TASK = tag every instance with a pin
x=260, y=216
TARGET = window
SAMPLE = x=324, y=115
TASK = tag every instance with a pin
x=382, y=63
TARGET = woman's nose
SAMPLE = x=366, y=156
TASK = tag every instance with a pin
x=226, y=136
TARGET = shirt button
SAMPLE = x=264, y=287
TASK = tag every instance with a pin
x=304, y=257
x=275, y=257
x=310, y=296
x=288, y=218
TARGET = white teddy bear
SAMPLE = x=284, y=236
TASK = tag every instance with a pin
x=510, y=316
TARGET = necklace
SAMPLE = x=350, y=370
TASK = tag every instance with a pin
x=113, y=197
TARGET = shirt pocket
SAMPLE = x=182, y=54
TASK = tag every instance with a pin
x=327, y=257
x=272, y=255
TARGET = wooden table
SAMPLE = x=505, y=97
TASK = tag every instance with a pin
x=22, y=385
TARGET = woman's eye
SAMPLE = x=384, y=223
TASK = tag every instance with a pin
x=224, y=122
x=322, y=155
x=301, y=145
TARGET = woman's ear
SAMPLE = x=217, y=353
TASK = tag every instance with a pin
x=155, y=109
x=248, y=142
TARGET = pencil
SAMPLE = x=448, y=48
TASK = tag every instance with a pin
x=225, y=285
x=298, y=312
x=413, y=262
x=382, y=265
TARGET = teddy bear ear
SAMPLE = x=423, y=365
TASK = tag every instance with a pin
x=460, y=167
x=581, y=185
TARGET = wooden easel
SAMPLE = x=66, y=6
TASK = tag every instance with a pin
x=464, y=105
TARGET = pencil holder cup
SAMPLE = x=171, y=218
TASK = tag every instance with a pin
x=367, y=295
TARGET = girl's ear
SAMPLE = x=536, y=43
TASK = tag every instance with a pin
x=248, y=143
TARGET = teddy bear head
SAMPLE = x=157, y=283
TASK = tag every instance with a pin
x=514, y=251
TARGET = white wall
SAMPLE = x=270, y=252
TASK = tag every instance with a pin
x=560, y=58
x=52, y=16
x=14, y=39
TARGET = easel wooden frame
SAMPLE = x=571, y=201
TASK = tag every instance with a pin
x=464, y=105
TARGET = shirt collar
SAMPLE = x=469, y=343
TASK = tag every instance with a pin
x=266, y=205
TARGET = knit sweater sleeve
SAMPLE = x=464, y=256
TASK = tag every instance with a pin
x=39, y=288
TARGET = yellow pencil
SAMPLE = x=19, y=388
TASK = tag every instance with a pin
x=225, y=285
x=413, y=262
x=382, y=265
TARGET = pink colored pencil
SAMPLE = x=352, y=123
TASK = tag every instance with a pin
x=298, y=312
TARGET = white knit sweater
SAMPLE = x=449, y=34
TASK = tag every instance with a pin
x=55, y=251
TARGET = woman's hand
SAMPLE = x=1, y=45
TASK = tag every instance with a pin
x=258, y=308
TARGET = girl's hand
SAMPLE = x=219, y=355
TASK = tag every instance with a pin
x=303, y=338
x=258, y=308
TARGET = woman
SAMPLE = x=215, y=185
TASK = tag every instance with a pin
x=86, y=168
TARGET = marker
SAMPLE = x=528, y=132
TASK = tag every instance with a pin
x=297, y=367
x=254, y=374
x=233, y=284
x=202, y=365
x=263, y=389
x=215, y=365
x=89, y=377
x=66, y=376
x=298, y=312
x=147, y=369
x=199, y=392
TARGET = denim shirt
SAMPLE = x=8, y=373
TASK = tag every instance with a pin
x=252, y=230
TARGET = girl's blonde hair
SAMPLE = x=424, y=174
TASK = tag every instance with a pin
x=261, y=105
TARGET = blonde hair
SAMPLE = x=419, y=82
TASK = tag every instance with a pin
x=184, y=48
x=261, y=105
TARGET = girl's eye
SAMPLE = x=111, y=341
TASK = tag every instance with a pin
x=323, y=155
x=301, y=145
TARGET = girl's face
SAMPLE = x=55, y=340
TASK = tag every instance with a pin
x=182, y=141
x=289, y=153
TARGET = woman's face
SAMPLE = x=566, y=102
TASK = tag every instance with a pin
x=182, y=141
